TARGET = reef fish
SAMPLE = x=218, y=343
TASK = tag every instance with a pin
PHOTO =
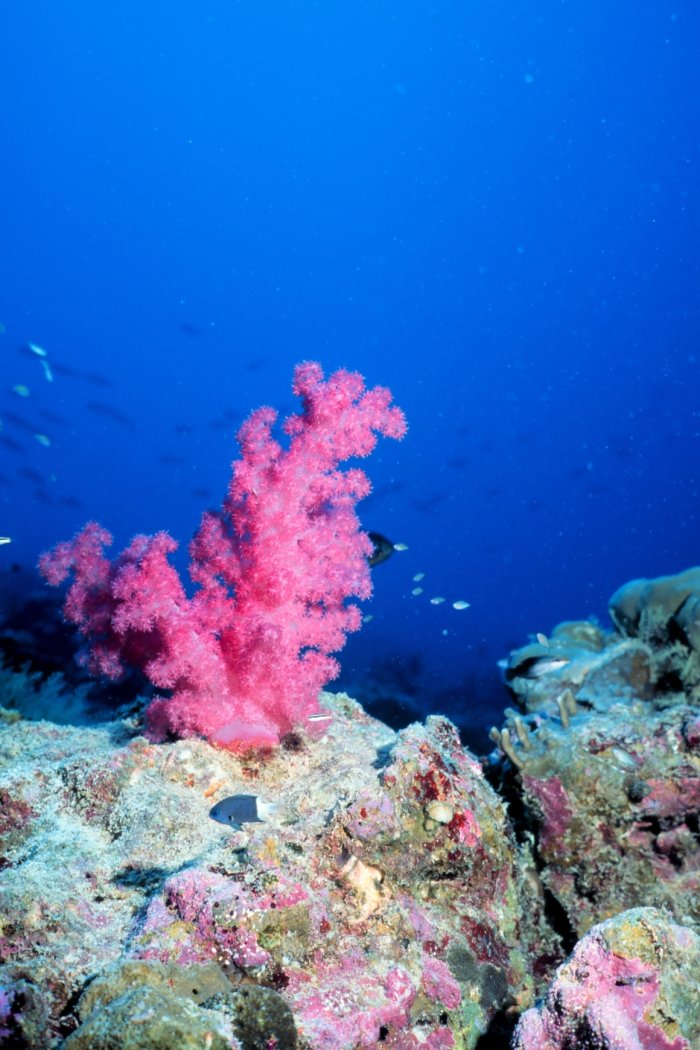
x=242, y=809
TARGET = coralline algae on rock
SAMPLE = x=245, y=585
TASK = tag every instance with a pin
x=383, y=904
x=607, y=752
x=148, y=1018
x=393, y=899
x=632, y=983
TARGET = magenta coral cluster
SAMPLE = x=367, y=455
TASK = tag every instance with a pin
x=246, y=655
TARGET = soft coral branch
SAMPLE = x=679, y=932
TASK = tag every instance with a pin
x=246, y=656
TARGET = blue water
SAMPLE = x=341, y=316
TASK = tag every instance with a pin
x=490, y=207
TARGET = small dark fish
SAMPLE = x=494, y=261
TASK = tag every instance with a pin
x=70, y=501
x=228, y=419
x=383, y=549
x=11, y=444
x=67, y=371
x=167, y=459
x=19, y=421
x=53, y=417
x=101, y=408
x=220, y=424
x=430, y=503
x=184, y=429
x=32, y=475
x=96, y=379
x=42, y=496
x=190, y=329
x=73, y=373
x=242, y=809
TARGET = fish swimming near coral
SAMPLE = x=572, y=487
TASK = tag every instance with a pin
x=534, y=661
x=243, y=809
x=383, y=548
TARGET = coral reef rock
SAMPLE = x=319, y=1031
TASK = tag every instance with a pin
x=386, y=902
x=632, y=982
x=392, y=891
x=605, y=761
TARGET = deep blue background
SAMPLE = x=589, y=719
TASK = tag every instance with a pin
x=490, y=207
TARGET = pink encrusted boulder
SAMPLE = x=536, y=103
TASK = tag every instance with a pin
x=632, y=983
x=427, y=852
x=202, y=916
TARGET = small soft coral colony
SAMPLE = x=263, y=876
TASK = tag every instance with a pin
x=245, y=657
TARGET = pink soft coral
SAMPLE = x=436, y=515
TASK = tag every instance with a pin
x=246, y=655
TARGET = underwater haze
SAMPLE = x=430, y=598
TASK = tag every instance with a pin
x=490, y=207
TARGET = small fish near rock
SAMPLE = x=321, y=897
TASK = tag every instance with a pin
x=236, y=810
